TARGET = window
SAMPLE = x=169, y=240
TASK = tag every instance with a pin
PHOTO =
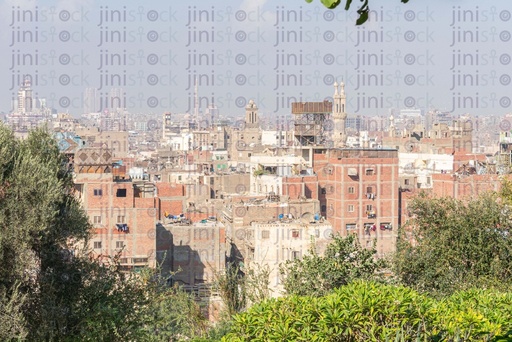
x=351, y=226
x=369, y=190
x=265, y=234
x=295, y=233
x=369, y=172
x=386, y=226
x=98, y=192
x=140, y=260
x=97, y=244
x=123, y=260
x=350, y=208
x=295, y=255
x=369, y=227
x=121, y=193
x=406, y=182
x=119, y=244
x=120, y=219
x=369, y=207
x=97, y=219
x=323, y=208
x=351, y=190
x=179, y=178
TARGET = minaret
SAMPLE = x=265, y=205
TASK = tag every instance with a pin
x=339, y=116
x=391, y=126
x=196, y=105
x=251, y=115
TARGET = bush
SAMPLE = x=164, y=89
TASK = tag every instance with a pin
x=369, y=311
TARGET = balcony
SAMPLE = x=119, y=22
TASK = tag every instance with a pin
x=371, y=214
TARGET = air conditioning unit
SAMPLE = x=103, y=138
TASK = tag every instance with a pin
x=352, y=171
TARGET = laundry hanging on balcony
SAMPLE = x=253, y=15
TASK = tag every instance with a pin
x=122, y=227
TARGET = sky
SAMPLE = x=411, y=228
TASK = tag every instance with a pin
x=439, y=54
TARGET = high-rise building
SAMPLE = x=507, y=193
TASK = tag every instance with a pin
x=25, y=97
x=212, y=114
x=91, y=100
x=115, y=99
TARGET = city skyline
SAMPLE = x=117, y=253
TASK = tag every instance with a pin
x=406, y=56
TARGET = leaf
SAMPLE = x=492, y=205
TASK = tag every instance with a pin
x=330, y=3
x=363, y=17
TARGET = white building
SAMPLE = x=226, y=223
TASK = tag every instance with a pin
x=280, y=241
x=267, y=172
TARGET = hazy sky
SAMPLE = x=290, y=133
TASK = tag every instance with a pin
x=449, y=55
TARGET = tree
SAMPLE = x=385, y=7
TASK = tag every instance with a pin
x=40, y=221
x=51, y=287
x=454, y=244
x=343, y=261
x=362, y=11
x=231, y=286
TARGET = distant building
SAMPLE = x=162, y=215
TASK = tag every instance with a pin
x=25, y=99
x=91, y=101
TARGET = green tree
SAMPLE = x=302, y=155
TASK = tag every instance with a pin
x=51, y=288
x=452, y=245
x=362, y=11
x=172, y=314
x=40, y=221
x=343, y=261
x=231, y=285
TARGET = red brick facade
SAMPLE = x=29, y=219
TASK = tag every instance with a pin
x=359, y=194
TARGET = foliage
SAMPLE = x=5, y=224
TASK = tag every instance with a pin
x=257, y=283
x=231, y=288
x=241, y=286
x=172, y=314
x=260, y=170
x=454, y=245
x=40, y=221
x=362, y=11
x=370, y=311
x=343, y=261
x=50, y=287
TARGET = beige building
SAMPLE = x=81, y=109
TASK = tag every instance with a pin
x=117, y=142
x=276, y=242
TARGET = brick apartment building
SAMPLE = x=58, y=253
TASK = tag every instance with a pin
x=359, y=193
x=124, y=212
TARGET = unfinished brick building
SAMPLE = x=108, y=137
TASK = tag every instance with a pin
x=359, y=193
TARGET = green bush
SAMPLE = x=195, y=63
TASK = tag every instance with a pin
x=369, y=311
